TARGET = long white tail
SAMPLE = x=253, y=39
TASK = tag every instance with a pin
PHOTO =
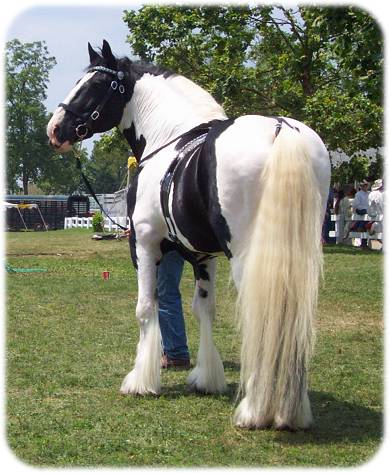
x=278, y=291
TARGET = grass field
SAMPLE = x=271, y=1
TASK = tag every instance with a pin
x=71, y=338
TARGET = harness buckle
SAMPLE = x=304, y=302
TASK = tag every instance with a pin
x=122, y=89
x=95, y=115
x=114, y=85
x=81, y=130
x=173, y=237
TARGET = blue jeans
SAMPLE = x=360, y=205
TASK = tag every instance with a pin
x=170, y=311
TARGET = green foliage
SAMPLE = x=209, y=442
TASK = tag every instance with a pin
x=206, y=44
x=61, y=175
x=348, y=121
x=27, y=73
x=322, y=65
x=107, y=167
x=29, y=158
x=98, y=222
x=356, y=40
x=360, y=167
x=355, y=170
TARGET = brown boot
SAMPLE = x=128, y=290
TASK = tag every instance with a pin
x=175, y=363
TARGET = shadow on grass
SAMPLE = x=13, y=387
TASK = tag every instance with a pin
x=330, y=249
x=231, y=365
x=337, y=421
x=183, y=390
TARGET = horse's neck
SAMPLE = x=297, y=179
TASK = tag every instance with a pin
x=160, y=109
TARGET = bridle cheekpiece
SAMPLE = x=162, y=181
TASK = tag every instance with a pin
x=82, y=129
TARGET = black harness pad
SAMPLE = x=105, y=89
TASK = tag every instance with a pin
x=195, y=207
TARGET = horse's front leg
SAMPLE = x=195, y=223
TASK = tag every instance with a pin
x=208, y=375
x=145, y=376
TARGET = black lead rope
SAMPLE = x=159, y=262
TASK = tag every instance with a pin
x=92, y=192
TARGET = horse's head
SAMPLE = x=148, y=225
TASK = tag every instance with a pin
x=94, y=105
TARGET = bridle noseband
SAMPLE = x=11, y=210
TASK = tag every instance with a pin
x=84, y=128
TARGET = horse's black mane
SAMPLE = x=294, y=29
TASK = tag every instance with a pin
x=141, y=67
x=138, y=68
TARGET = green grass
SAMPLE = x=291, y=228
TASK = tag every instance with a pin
x=71, y=338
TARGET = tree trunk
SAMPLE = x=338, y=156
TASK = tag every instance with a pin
x=25, y=184
x=306, y=82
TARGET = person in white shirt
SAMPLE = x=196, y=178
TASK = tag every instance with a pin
x=360, y=202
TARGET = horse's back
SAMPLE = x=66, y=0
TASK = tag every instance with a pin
x=215, y=193
x=241, y=153
x=245, y=146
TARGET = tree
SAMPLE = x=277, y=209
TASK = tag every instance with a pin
x=61, y=175
x=207, y=44
x=107, y=166
x=27, y=73
x=323, y=66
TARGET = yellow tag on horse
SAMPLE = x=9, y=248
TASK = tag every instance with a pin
x=132, y=162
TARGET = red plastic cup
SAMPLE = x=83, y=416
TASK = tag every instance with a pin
x=106, y=275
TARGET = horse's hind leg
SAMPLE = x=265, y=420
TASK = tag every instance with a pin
x=208, y=375
x=145, y=377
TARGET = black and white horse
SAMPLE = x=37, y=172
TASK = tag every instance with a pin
x=252, y=188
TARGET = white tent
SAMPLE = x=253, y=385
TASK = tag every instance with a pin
x=10, y=205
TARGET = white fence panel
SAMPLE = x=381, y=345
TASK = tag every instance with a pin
x=361, y=235
x=86, y=222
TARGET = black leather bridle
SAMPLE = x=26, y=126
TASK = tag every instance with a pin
x=85, y=127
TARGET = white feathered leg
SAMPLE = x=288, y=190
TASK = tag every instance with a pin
x=145, y=377
x=208, y=374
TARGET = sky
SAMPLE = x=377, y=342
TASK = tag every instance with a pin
x=67, y=31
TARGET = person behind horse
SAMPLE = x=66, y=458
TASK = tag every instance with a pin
x=170, y=312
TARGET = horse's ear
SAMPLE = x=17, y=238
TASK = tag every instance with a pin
x=93, y=55
x=107, y=54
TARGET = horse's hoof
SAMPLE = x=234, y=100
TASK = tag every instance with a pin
x=197, y=381
x=132, y=384
x=245, y=417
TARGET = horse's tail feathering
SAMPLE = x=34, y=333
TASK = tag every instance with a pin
x=278, y=290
